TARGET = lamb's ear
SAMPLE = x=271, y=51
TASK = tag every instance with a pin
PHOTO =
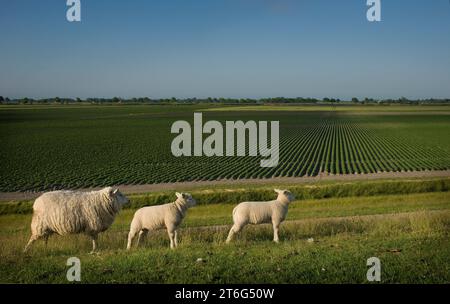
x=179, y=195
x=115, y=191
x=278, y=191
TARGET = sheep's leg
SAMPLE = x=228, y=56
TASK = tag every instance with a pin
x=33, y=239
x=176, y=238
x=171, y=237
x=131, y=236
x=46, y=240
x=235, y=229
x=94, y=243
x=230, y=235
x=142, y=234
x=276, y=227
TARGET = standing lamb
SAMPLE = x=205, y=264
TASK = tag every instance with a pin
x=261, y=212
x=72, y=212
x=167, y=216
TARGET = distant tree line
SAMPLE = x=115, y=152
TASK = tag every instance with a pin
x=173, y=100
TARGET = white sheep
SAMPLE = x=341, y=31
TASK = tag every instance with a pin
x=72, y=212
x=262, y=212
x=167, y=216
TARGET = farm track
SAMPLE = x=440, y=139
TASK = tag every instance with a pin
x=140, y=189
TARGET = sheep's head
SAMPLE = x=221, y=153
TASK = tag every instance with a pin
x=285, y=195
x=116, y=195
x=186, y=198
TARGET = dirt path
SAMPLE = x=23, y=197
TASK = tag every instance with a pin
x=333, y=219
x=138, y=189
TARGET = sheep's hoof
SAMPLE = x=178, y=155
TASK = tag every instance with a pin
x=94, y=252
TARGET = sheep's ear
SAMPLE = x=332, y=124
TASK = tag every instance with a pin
x=277, y=190
x=186, y=195
x=179, y=195
x=115, y=191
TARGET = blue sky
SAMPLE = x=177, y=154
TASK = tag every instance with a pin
x=225, y=48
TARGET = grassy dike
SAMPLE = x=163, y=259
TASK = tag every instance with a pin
x=236, y=194
x=409, y=232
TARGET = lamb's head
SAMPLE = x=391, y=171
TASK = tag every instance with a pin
x=284, y=196
x=186, y=198
x=118, y=197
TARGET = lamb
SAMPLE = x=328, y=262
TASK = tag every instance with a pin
x=261, y=212
x=167, y=216
x=73, y=212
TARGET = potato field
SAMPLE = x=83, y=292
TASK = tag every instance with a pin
x=51, y=147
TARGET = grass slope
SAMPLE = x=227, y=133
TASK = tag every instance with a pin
x=409, y=233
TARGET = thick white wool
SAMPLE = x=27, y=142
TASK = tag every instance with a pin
x=71, y=212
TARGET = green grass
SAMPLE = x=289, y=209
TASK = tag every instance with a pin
x=409, y=233
x=54, y=147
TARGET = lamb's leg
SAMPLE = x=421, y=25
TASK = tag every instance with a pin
x=235, y=229
x=171, y=232
x=230, y=235
x=33, y=239
x=276, y=226
x=94, y=242
x=131, y=236
x=142, y=234
x=176, y=238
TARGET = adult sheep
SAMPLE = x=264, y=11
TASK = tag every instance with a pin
x=73, y=212
x=167, y=216
x=262, y=212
